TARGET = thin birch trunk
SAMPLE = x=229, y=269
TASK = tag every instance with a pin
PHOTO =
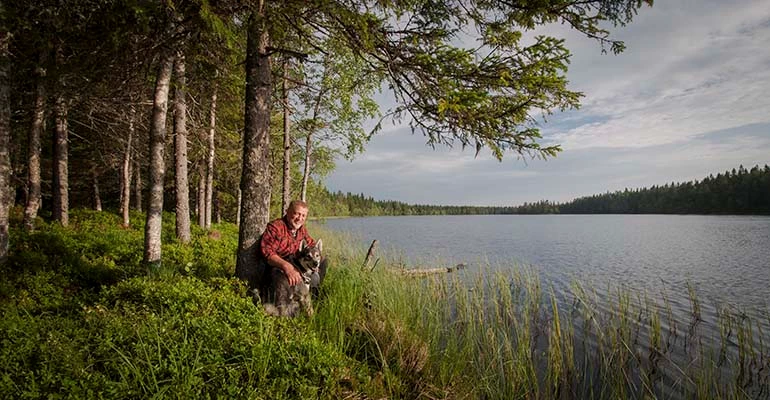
x=309, y=143
x=95, y=187
x=60, y=181
x=238, y=212
x=5, y=141
x=306, y=171
x=138, y=185
x=125, y=185
x=210, y=159
x=255, y=178
x=180, y=153
x=152, y=231
x=217, y=208
x=286, y=190
x=202, y=195
x=33, y=153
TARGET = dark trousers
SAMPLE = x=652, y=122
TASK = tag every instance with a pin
x=273, y=280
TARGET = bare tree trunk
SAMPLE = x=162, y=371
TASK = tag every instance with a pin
x=33, y=154
x=217, y=208
x=286, y=190
x=125, y=178
x=306, y=171
x=309, y=144
x=152, y=231
x=138, y=185
x=202, y=195
x=255, y=178
x=5, y=141
x=210, y=159
x=238, y=212
x=180, y=150
x=95, y=185
x=60, y=181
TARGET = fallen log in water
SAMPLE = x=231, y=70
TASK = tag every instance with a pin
x=431, y=271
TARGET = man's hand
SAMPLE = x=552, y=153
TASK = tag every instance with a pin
x=292, y=275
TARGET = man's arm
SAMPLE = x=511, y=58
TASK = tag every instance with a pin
x=291, y=273
x=270, y=245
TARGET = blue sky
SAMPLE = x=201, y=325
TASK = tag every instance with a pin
x=690, y=96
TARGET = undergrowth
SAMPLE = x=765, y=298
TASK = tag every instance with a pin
x=82, y=318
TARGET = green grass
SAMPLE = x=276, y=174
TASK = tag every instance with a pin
x=82, y=318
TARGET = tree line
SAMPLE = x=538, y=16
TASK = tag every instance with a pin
x=740, y=191
x=228, y=109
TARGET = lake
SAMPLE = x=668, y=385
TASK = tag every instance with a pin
x=726, y=259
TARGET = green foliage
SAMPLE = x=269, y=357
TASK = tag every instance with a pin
x=740, y=191
x=196, y=333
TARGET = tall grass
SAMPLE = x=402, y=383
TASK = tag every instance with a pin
x=82, y=318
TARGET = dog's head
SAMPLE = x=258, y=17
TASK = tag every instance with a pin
x=308, y=258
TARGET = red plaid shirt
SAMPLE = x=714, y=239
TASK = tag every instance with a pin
x=278, y=239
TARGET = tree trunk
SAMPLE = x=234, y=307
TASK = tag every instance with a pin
x=152, y=230
x=180, y=152
x=95, y=185
x=238, y=212
x=125, y=178
x=306, y=172
x=210, y=159
x=217, y=208
x=286, y=190
x=202, y=195
x=309, y=144
x=60, y=180
x=255, y=178
x=33, y=155
x=138, y=185
x=5, y=141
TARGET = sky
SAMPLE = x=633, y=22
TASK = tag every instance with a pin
x=689, y=97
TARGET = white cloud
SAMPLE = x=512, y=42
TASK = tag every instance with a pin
x=683, y=74
x=687, y=98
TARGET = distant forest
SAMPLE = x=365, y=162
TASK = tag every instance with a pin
x=739, y=191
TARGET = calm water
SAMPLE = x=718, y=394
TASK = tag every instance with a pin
x=725, y=258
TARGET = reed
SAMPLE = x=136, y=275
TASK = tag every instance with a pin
x=81, y=317
x=499, y=335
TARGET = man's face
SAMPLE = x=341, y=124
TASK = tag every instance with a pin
x=296, y=217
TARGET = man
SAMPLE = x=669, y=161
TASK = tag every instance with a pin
x=281, y=239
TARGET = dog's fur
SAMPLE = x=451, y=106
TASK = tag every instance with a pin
x=290, y=299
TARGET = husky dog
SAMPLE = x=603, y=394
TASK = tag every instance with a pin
x=289, y=299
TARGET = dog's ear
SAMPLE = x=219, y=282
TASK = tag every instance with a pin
x=302, y=245
x=319, y=245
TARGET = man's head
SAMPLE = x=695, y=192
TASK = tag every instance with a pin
x=296, y=214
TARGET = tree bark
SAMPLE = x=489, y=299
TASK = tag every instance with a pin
x=138, y=185
x=125, y=178
x=309, y=144
x=202, y=195
x=255, y=178
x=152, y=230
x=180, y=153
x=286, y=190
x=95, y=186
x=33, y=153
x=210, y=159
x=306, y=171
x=5, y=141
x=238, y=212
x=60, y=181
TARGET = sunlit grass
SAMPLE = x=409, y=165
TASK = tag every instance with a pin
x=81, y=316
